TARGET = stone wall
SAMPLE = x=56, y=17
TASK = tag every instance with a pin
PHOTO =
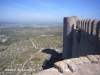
x=84, y=65
x=81, y=65
x=80, y=37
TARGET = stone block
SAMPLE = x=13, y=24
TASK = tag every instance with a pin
x=92, y=59
x=98, y=57
x=71, y=66
x=62, y=66
x=85, y=60
x=57, y=64
x=77, y=61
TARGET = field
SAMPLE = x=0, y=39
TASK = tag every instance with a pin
x=30, y=49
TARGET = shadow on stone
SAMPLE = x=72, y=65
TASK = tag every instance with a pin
x=55, y=56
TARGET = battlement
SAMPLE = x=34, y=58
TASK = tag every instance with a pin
x=90, y=26
x=80, y=37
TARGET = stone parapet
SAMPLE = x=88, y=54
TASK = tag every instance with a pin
x=71, y=65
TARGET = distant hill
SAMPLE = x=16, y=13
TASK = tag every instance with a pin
x=29, y=24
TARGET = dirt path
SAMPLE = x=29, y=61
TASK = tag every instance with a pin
x=34, y=44
x=31, y=56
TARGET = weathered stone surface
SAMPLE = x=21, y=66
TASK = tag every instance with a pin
x=62, y=66
x=90, y=21
x=92, y=59
x=85, y=60
x=57, y=64
x=77, y=61
x=99, y=32
x=51, y=71
x=95, y=26
x=98, y=57
x=71, y=66
x=86, y=25
x=85, y=69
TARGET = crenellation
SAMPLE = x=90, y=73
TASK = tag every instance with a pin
x=84, y=37
x=78, y=24
x=83, y=24
x=95, y=26
x=86, y=29
x=90, y=23
x=86, y=25
x=99, y=36
x=98, y=29
x=83, y=29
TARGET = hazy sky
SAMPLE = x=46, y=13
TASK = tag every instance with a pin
x=47, y=10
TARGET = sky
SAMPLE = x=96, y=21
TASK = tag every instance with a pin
x=47, y=10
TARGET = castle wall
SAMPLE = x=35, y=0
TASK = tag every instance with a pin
x=85, y=36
